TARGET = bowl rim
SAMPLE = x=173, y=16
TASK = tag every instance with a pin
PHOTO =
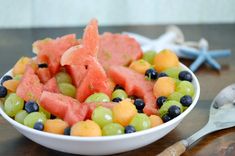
x=107, y=138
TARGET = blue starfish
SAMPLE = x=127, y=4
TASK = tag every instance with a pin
x=204, y=55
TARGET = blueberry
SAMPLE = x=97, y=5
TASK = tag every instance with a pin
x=166, y=118
x=3, y=91
x=38, y=126
x=31, y=106
x=43, y=65
x=140, y=111
x=117, y=99
x=160, y=101
x=185, y=75
x=151, y=74
x=130, y=129
x=186, y=100
x=139, y=104
x=173, y=111
x=5, y=78
x=67, y=131
x=162, y=74
x=118, y=87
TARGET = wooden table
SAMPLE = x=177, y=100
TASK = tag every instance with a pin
x=17, y=42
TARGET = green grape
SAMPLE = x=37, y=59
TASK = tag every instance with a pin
x=17, y=77
x=141, y=122
x=34, y=117
x=20, y=116
x=42, y=110
x=149, y=56
x=13, y=104
x=102, y=116
x=173, y=72
x=112, y=129
x=186, y=88
x=177, y=82
x=166, y=105
x=119, y=93
x=175, y=96
x=67, y=89
x=98, y=97
x=63, y=77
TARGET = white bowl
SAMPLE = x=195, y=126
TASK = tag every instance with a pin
x=103, y=145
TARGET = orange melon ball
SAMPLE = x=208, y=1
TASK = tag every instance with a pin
x=86, y=128
x=20, y=65
x=165, y=59
x=155, y=120
x=56, y=126
x=11, y=85
x=140, y=66
x=123, y=112
x=164, y=86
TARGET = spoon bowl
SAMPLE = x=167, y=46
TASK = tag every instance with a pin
x=221, y=116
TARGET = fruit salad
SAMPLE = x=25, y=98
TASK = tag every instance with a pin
x=99, y=85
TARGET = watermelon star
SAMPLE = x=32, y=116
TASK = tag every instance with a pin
x=92, y=77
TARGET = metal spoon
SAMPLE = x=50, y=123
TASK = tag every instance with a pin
x=221, y=116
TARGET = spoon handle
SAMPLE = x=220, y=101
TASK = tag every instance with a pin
x=175, y=150
x=179, y=147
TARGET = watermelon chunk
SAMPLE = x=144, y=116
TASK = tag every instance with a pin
x=50, y=50
x=30, y=87
x=92, y=78
x=95, y=81
x=64, y=107
x=82, y=54
x=43, y=74
x=118, y=49
x=135, y=84
x=77, y=72
x=51, y=86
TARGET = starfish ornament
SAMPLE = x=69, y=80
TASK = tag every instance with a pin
x=202, y=54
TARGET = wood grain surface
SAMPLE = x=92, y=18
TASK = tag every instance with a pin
x=17, y=42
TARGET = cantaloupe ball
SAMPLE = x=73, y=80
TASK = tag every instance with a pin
x=165, y=59
x=123, y=112
x=20, y=65
x=86, y=128
x=155, y=120
x=164, y=86
x=140, y=66
x=11, y=85
x=56, y=126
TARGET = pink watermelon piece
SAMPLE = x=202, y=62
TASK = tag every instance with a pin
x=92, y=78
x=43, y=74
x=66, y=108
x=77, y=72
x=50, y=50
x=51, y=86
x=135, y=84
x=95, y=81
x=118, y=49
x=82, y=54
x=30, y=87
x=93, y=105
